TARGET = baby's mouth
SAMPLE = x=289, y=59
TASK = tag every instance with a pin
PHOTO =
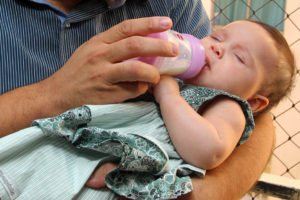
x=206, y=65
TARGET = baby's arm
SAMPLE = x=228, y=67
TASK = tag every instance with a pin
x=204, y=140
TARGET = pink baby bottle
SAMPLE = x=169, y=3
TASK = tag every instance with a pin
x=187, y=64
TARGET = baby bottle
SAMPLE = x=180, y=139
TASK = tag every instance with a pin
x=187, y=64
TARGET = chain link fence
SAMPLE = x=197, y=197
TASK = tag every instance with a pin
x=285, y=16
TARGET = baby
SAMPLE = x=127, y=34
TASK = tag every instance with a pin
x=248, y=59
x=195, y=126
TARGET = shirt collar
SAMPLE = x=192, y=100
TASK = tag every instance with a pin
x=61, y=15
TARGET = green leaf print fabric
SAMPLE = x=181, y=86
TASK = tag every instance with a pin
x=144, y=170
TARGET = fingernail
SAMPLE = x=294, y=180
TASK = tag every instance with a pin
x=165, y=22
x=175, y=49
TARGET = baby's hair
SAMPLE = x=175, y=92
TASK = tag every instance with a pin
x=281, y=77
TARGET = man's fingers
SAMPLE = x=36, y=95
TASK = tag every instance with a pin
x=125, y=90
x=132, y=90
x=141, y=46
x=129, y=90
x=141, y=26
x=132, y=71
x=97, y=180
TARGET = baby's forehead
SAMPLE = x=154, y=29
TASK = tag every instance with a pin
x=252, y=35
x=241, y=26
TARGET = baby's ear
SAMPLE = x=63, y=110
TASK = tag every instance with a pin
x=258, y=102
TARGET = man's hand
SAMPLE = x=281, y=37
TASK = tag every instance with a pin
x=94, y=74
x=97, y=180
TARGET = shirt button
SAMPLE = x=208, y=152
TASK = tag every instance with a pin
x=68, y=25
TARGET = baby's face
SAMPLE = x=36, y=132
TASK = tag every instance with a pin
x=237, y=58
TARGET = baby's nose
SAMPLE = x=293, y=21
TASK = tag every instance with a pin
x=218, y=50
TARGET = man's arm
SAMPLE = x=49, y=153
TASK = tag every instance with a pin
x=235, y=177
x=94, y=74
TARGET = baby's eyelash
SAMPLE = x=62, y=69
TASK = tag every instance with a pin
x=215, y=38
x=239, y=59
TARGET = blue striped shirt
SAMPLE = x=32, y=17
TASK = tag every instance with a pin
x=61, y=15
x=35, y=43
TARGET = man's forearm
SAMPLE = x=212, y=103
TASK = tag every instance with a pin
x=21, y=106
x=232, y=179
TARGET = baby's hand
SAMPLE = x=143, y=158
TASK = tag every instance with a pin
x=167, y=87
